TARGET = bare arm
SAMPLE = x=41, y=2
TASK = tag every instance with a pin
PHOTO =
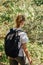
x=24, y=46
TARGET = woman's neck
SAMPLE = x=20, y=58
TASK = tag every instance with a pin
x=18, y=27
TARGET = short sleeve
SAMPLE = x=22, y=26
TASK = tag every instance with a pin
x=24, y=38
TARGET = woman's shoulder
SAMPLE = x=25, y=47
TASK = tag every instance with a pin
x=22, y=33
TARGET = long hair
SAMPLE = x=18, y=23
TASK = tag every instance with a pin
x=20, y=19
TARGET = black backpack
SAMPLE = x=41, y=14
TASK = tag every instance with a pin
x=11, y=43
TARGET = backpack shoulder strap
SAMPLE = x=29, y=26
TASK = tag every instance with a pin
x=11, y=29
x=17, y=33
x=20, y=30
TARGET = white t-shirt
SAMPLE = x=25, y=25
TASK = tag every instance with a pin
x=23, y=40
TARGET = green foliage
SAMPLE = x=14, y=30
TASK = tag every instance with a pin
x=34, y=22
x=33, y=11
x=38, y=2
x=5, y=17
x=1, y=48
x=36, y=53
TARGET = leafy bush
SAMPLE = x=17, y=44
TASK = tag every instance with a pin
x=9, y=9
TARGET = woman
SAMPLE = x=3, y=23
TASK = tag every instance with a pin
x=23, y=40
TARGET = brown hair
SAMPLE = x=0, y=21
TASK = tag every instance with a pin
x=19, y=19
